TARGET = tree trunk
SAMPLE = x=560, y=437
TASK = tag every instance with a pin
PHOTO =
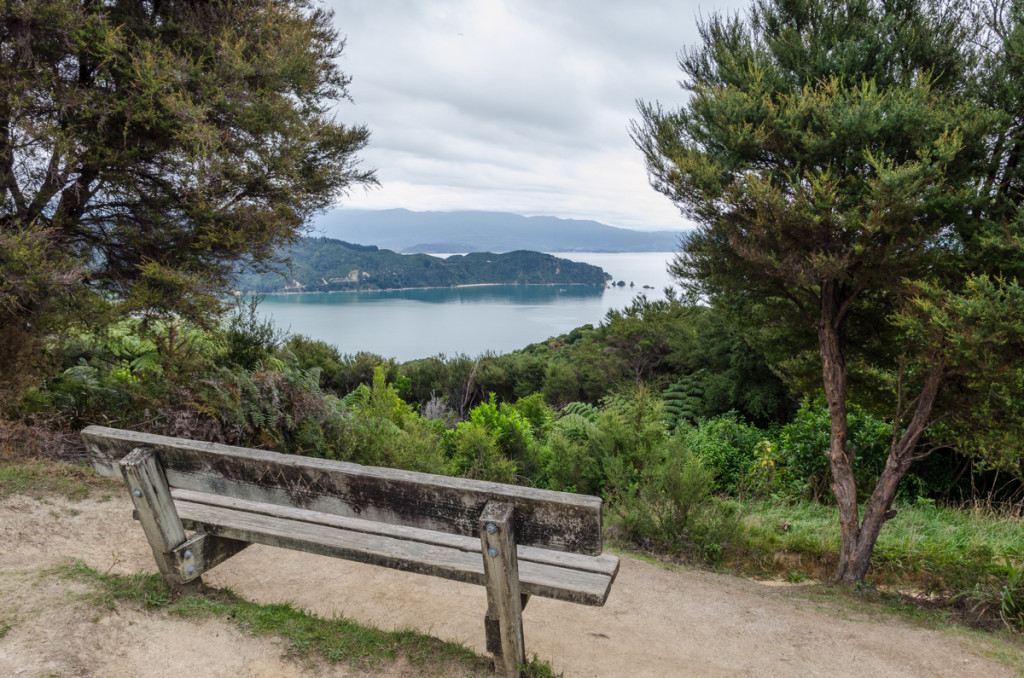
x=832, y=344
x=901, y=456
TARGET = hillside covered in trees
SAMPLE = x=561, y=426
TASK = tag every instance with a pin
x=327, y=265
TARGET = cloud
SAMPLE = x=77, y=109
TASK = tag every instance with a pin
x=512, y=105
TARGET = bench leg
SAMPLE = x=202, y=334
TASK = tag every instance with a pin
x=504, y=602
x=160, y=522
x=491, y=626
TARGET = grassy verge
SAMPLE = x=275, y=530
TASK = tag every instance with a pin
x=930, y=548
x=967, y=561
x=309, y=637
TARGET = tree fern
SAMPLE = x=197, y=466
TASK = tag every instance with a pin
x=576, y=427
x=358, y=397
x=684, y=400
x=585, y=410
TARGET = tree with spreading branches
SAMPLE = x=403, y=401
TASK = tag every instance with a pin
x=148, y=147
x=851, y=167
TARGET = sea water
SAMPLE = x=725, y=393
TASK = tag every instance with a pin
x=419, y=323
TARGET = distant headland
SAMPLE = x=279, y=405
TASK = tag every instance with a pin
x=327, y=265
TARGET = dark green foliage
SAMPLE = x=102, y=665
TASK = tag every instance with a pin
x=475, y=453
x=585, y=410
x=309, y=353
x=498, y=441
x=359, y=368
x=1011, y=597
x=588, y=363
x=661, y=342
x=453, y=379
x=728, y=447
x=803, y=466
x=670, y=508
x=853, y=171
x=640, y=337
x=575, y=461
x=577, y=450
x=537, y=413
x=248, y=338
x=659, y=491
x=79, y=395
x=561, y=382
x=383, y=430
x=283, y=411
x=151, y=146
x=325, y=265
x=36, y=283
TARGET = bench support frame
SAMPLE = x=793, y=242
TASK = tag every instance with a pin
x=504, y=601
x=231, y=497
x=156, y=513
x=182, y=559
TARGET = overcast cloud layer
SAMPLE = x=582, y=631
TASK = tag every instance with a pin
x=513, y=105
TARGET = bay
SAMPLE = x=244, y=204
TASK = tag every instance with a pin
x=419, y=323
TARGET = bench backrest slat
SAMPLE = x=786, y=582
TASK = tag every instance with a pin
x=543, y=518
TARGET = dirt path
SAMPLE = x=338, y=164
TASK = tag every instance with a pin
x=658, y=622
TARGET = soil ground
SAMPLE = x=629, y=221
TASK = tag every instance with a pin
x=659, y=621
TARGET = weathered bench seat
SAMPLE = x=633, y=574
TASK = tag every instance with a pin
x=516, y=541
x=549, y=574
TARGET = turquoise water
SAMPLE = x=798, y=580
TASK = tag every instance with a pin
x=410, y=324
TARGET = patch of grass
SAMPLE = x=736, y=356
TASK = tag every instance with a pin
x=146, y=590
x=310, y=637
x=39, y=478
x=935, y=549
x=336, y=639
x=5, y=628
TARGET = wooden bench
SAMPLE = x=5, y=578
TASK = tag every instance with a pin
x=516, y=541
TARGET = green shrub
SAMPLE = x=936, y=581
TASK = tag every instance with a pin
x=803, y=445
x=728, y=447
x=512, y=436
x=305, y=353
x=359, y=368
x=475, y=453
x=668, y=506
x=632, y=427
x=683, y=401
x=537, y=412
x=248, y=338
x=1011, y=597
x=576, y=449
x=82, y=395
x=385, y=431
x=561, y=382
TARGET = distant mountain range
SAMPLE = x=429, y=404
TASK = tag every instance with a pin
x=325, y=265
x=406, y=231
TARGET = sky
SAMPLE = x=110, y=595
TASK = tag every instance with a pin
x=517, y=106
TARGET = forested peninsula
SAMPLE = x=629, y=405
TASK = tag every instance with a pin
x=327, y=265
